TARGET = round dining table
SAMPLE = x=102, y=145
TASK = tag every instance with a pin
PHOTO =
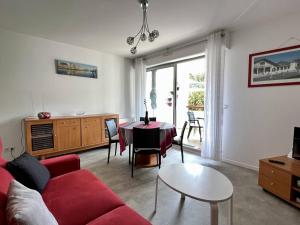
x=167, y=133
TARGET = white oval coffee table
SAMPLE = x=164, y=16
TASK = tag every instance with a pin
x=198, y=182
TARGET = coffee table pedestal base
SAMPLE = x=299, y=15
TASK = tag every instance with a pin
x=214, y=208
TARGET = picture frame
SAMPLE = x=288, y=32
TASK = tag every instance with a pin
x=64, y=67
x=275, y=67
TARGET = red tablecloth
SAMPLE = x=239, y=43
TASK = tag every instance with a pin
x=167, y=133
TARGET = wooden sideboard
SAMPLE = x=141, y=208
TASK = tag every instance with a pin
x=281, y=180
x=66, y=134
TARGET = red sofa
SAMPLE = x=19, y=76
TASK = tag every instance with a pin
x=75, y=196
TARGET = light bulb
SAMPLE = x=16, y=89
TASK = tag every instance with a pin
x=155, y=33
x=143, y=37
x=133, y=50
x=151, y=37
x=130, y=40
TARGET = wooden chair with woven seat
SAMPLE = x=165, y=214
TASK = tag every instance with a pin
x=146, y=141
x=179, y=140
x=113, y=135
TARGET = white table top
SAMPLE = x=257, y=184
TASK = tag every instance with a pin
x=198, y=182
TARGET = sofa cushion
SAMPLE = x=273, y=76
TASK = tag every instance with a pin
x=62, y=164
x=78, y=197
x=121, y=215
x=5, y=179
x=29, y=171
x=26, y=206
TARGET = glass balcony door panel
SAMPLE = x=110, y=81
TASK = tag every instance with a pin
x=164, y=98
x=190, y=95
x=159, y=94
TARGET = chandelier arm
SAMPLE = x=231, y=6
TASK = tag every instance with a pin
x=143, y=31
x=138, y=42
x=138, y=32
x=147, y=26
x=144, y=21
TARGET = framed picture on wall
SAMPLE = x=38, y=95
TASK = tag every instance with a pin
x=75, y=69
x=275, y=67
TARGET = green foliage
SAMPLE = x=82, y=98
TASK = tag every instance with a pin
x=196, y=98
x=200, y=77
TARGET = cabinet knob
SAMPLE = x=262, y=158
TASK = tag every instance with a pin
x=272, y=171
x=271, y=183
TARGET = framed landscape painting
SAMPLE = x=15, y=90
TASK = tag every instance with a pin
x=75, y=69
x=275, y=67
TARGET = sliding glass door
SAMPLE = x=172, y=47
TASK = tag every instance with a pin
x=173, y=90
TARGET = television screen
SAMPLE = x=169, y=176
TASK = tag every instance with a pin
x=296, y=143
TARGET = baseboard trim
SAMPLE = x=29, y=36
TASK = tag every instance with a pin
x=240, y=164
x=229, y=161
x=188, y=149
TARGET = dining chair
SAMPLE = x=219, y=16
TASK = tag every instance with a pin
x=145, y=141
x=179, y=140
x=194, y=124
x=153, y=119
x=113, y=136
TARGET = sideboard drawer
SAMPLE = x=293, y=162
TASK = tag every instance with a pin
x=275, y=174
x=270, y=184
x=68, y=122
x=92, y=120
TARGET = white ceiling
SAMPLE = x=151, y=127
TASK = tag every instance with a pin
x=104, y=25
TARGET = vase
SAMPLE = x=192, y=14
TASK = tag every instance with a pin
x=146, y=118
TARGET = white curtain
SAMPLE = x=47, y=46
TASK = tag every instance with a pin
x=140, y=87
x=214, y=95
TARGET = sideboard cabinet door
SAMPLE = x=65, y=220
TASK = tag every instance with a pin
x=91, y=131
x=67, y=134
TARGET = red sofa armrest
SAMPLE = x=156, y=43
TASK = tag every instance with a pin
x=62, y=164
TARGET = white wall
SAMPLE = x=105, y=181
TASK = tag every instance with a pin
x=259, y=121
x=29, y=84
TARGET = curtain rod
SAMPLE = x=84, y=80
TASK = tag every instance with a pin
x=167, y=51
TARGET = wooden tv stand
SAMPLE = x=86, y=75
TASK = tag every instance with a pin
x=281, y=180
x=66, y=134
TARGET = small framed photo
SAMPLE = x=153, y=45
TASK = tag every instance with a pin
x=274, y=68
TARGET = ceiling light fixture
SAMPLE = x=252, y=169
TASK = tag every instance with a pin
x=144, y=31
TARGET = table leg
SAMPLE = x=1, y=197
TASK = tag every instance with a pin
x=156, y=190
x=231, y=211
x=129, y=152
x=214, y=213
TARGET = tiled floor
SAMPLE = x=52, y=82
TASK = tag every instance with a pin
x=252, y=205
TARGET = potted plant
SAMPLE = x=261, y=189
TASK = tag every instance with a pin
x=196, y=101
